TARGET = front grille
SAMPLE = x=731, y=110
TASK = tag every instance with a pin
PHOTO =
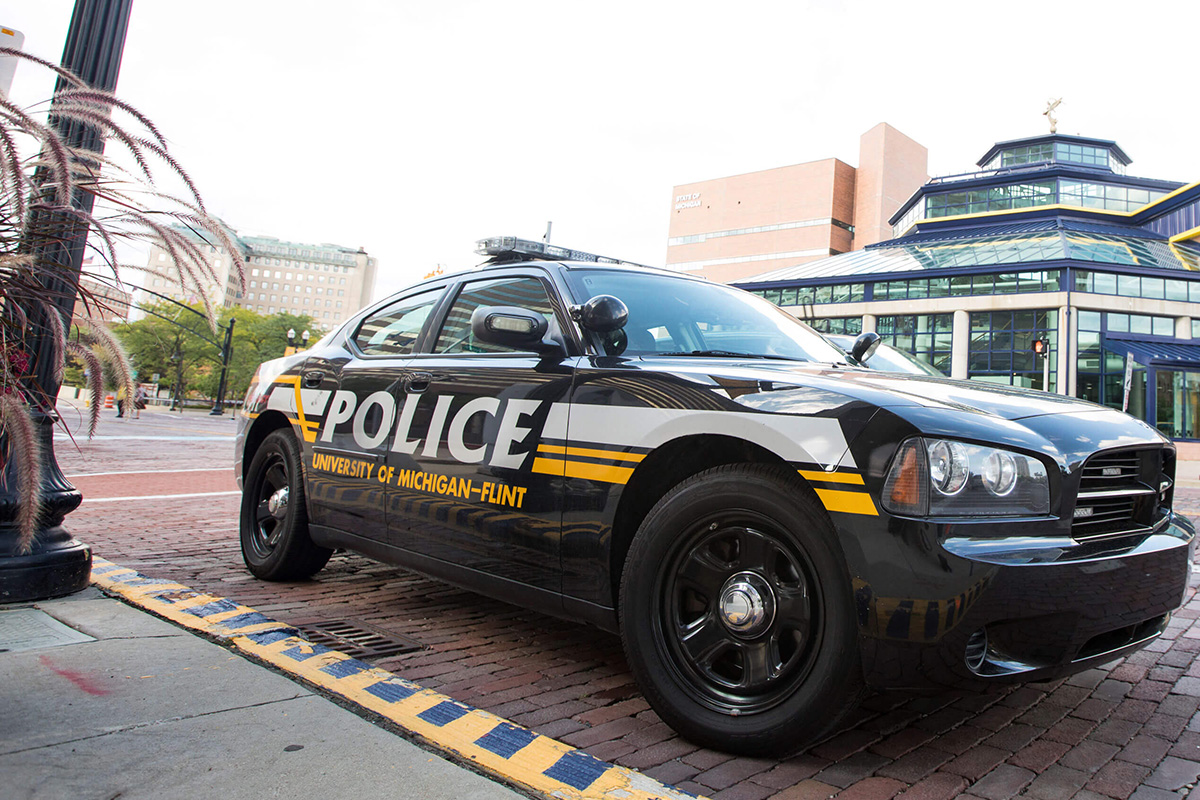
x=1111, y=470
x=1128, y=636
x=1122, y=493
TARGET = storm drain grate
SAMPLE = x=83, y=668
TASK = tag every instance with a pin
x=357, y=639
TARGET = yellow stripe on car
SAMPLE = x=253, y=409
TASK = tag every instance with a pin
x=587, y=452
x=307, y=428
x=847, y=502
x=831, y=477
x=583, y=469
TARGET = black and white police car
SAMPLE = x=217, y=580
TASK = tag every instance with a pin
x=769, y=528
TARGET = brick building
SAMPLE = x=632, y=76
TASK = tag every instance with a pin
x=730, y=228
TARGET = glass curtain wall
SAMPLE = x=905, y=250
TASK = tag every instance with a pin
x=1101, y=374
x=927, y=336
x=849, y=326
x=1177, y=406
x=1001, y=349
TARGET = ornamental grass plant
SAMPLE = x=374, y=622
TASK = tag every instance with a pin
x=60, y=185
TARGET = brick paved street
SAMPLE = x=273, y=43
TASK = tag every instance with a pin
x=1130, y=729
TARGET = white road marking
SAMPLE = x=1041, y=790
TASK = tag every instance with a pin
x=155, y=497
x=101, y=438
x=150, y=472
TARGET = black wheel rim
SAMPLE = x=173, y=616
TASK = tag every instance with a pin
x=739, y=671
x=266, y=528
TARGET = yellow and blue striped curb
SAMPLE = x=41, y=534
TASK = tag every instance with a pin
x=494, y=745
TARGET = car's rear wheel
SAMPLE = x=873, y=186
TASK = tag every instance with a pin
x=737, y=613
x=274, y=519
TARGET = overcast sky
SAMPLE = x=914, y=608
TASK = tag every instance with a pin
x=413, y=128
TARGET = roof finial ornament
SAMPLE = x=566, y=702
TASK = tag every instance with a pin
x=1049, y=113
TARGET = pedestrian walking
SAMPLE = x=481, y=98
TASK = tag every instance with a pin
x=121, y=402
x=139, y=402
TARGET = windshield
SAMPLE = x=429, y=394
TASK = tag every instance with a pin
x=680, y=316
x=888, y=358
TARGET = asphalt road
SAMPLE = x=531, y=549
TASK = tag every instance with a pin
x=160, y=498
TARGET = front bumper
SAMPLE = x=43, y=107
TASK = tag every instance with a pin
x=1013, y=608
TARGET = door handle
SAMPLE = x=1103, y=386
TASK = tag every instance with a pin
x=313, y=379
x=417, y=382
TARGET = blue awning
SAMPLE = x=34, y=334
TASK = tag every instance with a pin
x=1165, y=354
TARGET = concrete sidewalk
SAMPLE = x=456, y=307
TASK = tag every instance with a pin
x=1187, y=474
x=138, y=708
x=1187, y=464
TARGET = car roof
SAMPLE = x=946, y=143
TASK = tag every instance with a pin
x=574, y=265
x=550, y=265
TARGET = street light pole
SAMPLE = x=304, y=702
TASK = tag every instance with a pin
x=177, y=358
x=226, y=354
x=57, y=563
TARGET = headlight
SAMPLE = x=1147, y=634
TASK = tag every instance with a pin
x=949, y=466
x=999, y=472
x=945, y=478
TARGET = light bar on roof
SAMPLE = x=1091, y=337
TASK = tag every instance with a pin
x=512, y=246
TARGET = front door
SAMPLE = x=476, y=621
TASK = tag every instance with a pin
x=465, y=484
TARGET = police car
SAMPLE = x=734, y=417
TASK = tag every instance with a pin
x=770, y=528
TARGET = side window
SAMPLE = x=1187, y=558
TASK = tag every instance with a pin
x=521, y=292
x=394, y=329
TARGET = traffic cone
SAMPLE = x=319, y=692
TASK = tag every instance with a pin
x=108, y=401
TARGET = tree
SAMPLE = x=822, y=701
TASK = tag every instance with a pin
x=258, y=338
x=169, y=340
x=168, y=330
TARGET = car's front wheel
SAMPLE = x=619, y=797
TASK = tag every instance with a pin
x=737, y=614
x=274, y=519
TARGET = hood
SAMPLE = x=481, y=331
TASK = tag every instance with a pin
x=1009, y=402
x=883, y=389
x=1063, y=428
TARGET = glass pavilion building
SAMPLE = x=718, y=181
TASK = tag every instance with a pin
x=1051, y=240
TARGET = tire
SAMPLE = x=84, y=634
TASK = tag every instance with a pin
x=763, y=678
x=275, y=542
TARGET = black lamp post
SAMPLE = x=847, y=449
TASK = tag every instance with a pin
x=226, y=354
x=177, y=360
x=57, y=563
x=291, y=348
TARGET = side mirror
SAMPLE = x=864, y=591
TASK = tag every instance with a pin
x=865, y=346
x=602, y=314
x=516, y=328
